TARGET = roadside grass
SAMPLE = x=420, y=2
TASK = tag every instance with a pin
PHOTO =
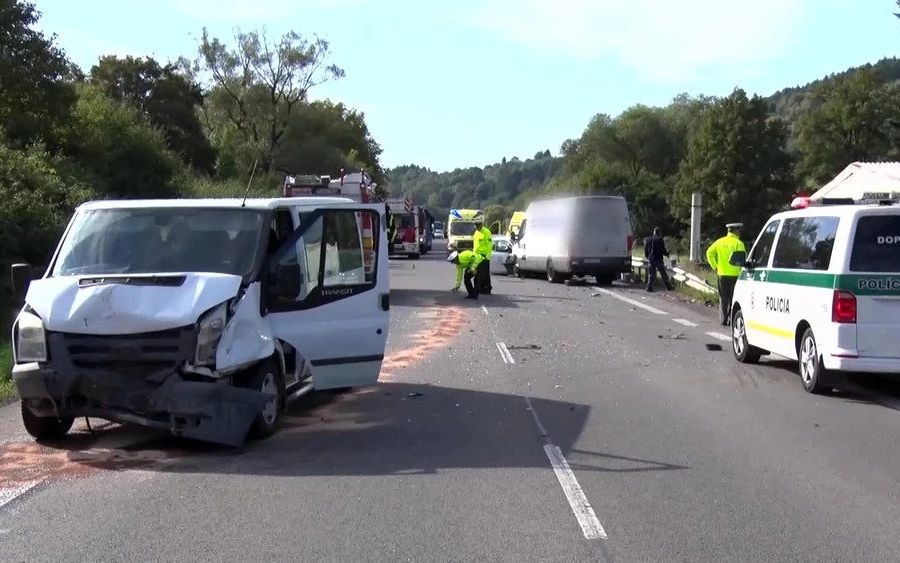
x=701, y=271
x=7, y=391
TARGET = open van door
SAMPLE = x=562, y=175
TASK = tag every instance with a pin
x=321, y=296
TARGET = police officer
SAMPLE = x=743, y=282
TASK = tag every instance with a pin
x=719, y=255
x=467, y=263
x=483, y=244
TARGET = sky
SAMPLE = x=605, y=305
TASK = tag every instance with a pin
x=451, y=84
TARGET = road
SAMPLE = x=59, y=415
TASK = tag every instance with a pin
x=544, y=422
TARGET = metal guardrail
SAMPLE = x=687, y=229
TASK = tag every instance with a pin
x=679, y=275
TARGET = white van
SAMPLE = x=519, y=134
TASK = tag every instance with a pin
x=821, y=285
x=201, y=317
x=575, y=236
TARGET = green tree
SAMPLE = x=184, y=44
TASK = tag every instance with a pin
x=258, y=85
x=126, y=156
x=166, y=97
x=851, y=121
x=737, y=159
x=35, y=94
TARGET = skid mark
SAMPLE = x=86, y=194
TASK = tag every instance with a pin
x=22, y=463
x=452, y=320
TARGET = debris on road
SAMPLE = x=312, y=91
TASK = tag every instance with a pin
x=679, y=336
x=524, y=347
x=414, y=395
x=712, y=347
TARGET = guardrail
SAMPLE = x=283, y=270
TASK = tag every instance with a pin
x=685, y=277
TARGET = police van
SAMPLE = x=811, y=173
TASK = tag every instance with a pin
x=821, y=285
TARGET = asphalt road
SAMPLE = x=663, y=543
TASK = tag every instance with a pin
x=542, y=423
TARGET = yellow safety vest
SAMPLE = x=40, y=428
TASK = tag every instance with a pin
x=468, y=260
x=719, y=253
x=482, y=243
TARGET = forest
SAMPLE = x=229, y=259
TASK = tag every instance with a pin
x=747, y=154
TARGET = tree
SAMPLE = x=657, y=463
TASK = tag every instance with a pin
x=258, y=85
x=166, y=97
x=851, y=121
x=126, y=156
x=35, y=94
x=737, y=159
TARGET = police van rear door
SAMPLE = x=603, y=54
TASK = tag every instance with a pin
x=874, y=268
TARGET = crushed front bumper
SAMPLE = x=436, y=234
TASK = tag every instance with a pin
x=82, y=380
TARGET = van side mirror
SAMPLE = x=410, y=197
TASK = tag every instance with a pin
x=513, y=237
x=739, y=258
x=288, y=282
x=20, y=278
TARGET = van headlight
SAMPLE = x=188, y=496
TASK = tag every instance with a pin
x=31, y=339
x=209, y=331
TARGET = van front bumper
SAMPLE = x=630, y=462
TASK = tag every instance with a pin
x=202, y=410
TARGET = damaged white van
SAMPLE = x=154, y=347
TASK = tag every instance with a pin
x=201, y=317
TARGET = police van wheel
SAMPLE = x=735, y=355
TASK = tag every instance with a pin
x=743, y=351
x=813, y=375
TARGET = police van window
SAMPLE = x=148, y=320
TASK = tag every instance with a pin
x=806, y=243
x=760, y=252
x=876, y=246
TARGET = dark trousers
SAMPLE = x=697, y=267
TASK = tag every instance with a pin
x=651, y=275
x=470, y=280
x=726, y=293
x=484, y=276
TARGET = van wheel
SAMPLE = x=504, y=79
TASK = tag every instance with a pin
x=45, y=427
x=743, y=351
x=267, y=378
x=605, y=279
x=813, y=375
x=552, y=276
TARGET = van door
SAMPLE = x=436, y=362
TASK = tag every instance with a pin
x=750, y=291
x=321, y=298
x=875, y=265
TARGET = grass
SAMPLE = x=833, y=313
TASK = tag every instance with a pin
x=7, y=391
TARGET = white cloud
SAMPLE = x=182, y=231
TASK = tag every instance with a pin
x=253, y=11
x=663, y=40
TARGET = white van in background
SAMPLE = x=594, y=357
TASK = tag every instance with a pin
x=575, y=236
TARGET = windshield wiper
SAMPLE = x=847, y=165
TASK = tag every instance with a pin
x=155, y=280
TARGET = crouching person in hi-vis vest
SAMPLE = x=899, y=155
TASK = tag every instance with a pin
x=719, y=257
x=467, y=263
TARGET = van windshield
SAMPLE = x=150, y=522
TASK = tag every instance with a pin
x=458, y=229
x=876, y=246
x=156, y=240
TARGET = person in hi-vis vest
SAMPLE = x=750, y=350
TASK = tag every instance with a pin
x=719, y=257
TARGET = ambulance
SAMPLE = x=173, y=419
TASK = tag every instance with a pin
x=821, y=286
x=461, y=228
x=515, y=222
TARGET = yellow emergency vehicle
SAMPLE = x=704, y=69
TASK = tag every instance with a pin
x=461, y=228
x=515, y=222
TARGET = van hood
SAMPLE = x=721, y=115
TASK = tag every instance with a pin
x=127, y=304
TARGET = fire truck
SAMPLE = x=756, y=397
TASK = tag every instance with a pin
x=413, y=227
x=357, y=186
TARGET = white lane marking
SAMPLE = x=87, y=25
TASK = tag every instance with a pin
x=585, y=515
x=685, y=322
x=504, y=353
x=484, y=310
x=537, y=420
x=630, y=301
x=7, y=495
x=719, y=336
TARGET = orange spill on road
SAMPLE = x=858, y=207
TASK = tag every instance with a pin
x=453, y=319
x=26, y=462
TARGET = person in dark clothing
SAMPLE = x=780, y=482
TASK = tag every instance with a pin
x=655, y=252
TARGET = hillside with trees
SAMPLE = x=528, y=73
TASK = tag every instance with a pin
x=746, y=154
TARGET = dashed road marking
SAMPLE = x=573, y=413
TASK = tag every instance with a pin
x=685, y=322
x=504, y=353
x=484, y=310
x=719, y=336
x=578, y=502
x=631, y=301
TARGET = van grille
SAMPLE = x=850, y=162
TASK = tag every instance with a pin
x=132, y=354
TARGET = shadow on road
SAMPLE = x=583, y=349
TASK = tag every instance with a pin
x=393, y=428
x=403, y=297
x=854, y=388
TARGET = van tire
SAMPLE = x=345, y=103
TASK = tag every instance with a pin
x=265, y=376
x=743, y=351
x=519, y=272
x=813, y=375
x=45, y=428
x=552, y=275
x=605, y=279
